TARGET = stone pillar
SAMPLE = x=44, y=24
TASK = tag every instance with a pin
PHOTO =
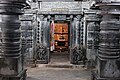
x=92, y=26
x=43, y=40
x=11, y=59
x=75, y=40
x=27, y=35
x=108, y=67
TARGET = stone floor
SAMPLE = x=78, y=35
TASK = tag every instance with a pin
x=58, y=69
x=60, y=57
x=57, y=74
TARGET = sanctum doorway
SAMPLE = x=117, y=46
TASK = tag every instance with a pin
x=60, y=47
x=58, y=39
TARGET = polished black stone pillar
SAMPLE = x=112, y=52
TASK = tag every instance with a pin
x=108, y=67
x=11, y=59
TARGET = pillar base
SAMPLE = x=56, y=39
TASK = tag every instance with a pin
x=94, y=76
x=42, y=62
x=20, y=76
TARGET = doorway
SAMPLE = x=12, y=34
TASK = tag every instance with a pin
x=60, y=54
x=58, y=36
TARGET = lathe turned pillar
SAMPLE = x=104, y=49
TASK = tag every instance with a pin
x=11, y=59
x=109, y=47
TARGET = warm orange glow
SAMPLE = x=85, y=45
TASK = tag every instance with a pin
x=61, y=36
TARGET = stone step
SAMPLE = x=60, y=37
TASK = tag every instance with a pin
x=59, y=65
x=69, y=66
